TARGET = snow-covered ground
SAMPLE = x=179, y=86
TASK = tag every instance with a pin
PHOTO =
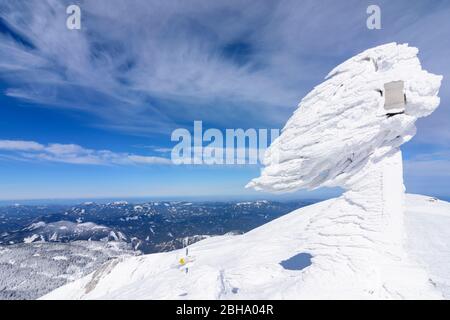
x=428, y=226
x=326, y=250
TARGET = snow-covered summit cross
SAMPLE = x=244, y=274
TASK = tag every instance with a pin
x=342, y=127
x=347, y=132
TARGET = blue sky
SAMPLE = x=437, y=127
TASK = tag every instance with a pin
x=88, y=113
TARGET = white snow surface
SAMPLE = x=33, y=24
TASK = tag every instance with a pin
x=341, y=127
x=344, y=264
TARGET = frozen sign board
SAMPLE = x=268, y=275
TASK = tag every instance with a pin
x=394, y=96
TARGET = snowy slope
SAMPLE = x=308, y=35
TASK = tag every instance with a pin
x=264, y=263
x=428, y=226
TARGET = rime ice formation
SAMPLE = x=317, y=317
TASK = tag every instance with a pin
x=347, y=132
x=341, y=128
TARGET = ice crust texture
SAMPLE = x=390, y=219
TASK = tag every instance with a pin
x=341, y=126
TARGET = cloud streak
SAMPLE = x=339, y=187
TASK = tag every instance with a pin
x=72, y=154
x=149, y=66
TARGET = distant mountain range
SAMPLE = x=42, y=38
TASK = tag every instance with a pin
x=149, y=227
x=43, y=247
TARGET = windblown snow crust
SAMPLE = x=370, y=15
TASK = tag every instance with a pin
x=269, y=262
x=341, y=127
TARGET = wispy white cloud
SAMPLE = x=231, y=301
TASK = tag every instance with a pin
x=18, y=145
x=431, y=165
x=148, y=160
x=72, y=154
x=150, y=65
x=428, y=168
x=18, y=150
x=427, y=176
